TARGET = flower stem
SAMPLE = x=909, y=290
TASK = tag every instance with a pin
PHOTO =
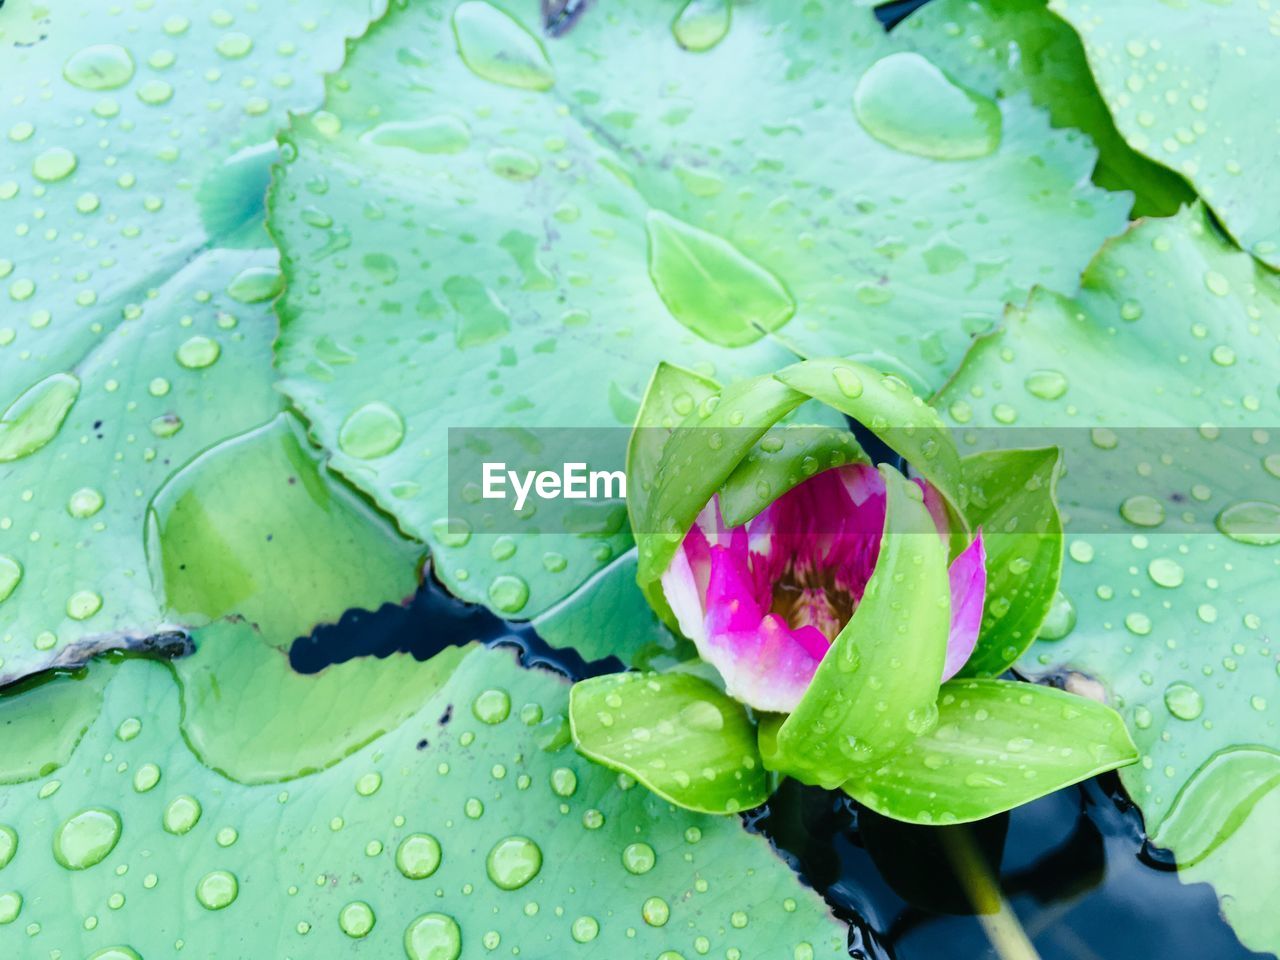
x=1008, y=938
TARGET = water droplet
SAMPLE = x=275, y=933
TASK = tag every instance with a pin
x=83, y=604
x=847, y=382
x=10, y=907
x=146, y=778
x=1183, y=700
x=1216, y=283
x=256, y=284
x=8, y=845
x=638, y=858
x=655, y=912
x=701, y=24
x=154, y=93
x=356, y=919
x=1255, y=522
x=481, y=316
x=1165, y=572
x=585, y=929
x=1138, y=623
x=433, y=936
x=418, y=856
x=86, y=838
x=54, y=164
x=182, y=814
x=1143, y=511
x=369, y=784
x=103, y=66
x=85, y=502
x=1046, y=384
x=710, y=286
x=513, y=164
x=217, y=889
x=498, y=48
x=371, y=431
x=492, y=706
x=233, y=46
x=439, y=134
x=508, y=593
x=513, y=862
x=907, y=103
x=10, y=576
x=198, y=352
x=35, y=417
x=564, y=782
x=702, y=715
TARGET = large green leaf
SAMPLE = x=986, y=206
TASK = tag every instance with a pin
x=1163, y=372
x=1003, y=47
x=996, y=745
x=529, y=226
x=1181, y=80
x=468, y=828
x=876, y=687
x=135, y=331
x=677, y=734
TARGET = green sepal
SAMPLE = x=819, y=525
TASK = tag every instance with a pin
x=997, y=744
x=676, y=734
x=699, y=456
x=784, y=458
x=1011, y=496
x=887, y=407
x=878, y=684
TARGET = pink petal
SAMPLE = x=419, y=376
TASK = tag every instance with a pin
x=968, y=576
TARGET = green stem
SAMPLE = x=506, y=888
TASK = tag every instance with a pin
x=998, y=920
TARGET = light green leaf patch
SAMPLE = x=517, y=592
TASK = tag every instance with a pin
x=134, y=331
x=997, y=744
x=403, y=848
x=1181, y=82
x=1005, y=47
x=529, y=230
x=1166, y=407
x=676, y=734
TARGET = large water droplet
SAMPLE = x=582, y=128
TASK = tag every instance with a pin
x=701, y=24
x=8, y=844
x=54, y=164
x=1143, y=511
x=116, y=953
x=1183, y=700
x=433, y=936
x=84, y=503
x=86, y=838
x=182, y=814
x=33, y=419
x=513, y=862
x=1046, y=384
x=103, y=66
x=907, y=103
x=356, y=919
x=638, y=858
x=1061, y=618
x=255, y=284
x=10, y=576
x=498, y=48
x=10, y=907
x=508, y=593
x=371, y=431
x=492, y=706
x=198, y=352
x=1255, y=522
x=439, y=134
x=217, y=889
x=482, y=317
x=710, y=286
x=418, y=856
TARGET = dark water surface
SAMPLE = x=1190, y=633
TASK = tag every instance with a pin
x=1073, y=865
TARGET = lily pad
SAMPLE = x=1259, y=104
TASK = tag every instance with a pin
x=135, y=332
x=468, y=827
x=1168, y=604
x=528, y=230
x=1181, y=82
x=1003, y=47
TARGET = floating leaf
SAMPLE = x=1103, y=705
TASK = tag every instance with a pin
x=406, y=845
x=1182, y=87
x=677, y=734
x=530, y=231
x=136, y=331
x=1003, y=47
x=1166, y=359
x=997, y=744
